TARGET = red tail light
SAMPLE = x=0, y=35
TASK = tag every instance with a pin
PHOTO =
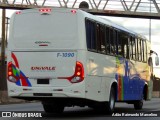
x=79, y=71
x=10, y=72
x=78, y=74
x=11, y=77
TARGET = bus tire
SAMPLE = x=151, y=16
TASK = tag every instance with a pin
x=111, y=102
x=138, y=104
x=53, y=108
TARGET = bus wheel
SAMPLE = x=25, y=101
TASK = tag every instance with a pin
x=53, y=107
x=138, y=104
x=111, y=103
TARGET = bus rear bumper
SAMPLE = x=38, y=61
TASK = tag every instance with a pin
x=75, y=91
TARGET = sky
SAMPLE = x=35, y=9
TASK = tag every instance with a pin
x=140, y=26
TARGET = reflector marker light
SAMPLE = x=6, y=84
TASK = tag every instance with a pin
x=73, y=11
x=18, y=12
x=45, y=10
x=43, y=45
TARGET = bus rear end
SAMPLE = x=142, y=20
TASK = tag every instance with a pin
x=43, y=58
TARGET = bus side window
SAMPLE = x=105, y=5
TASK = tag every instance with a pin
x=107, y=39
x=112, y=41
x=145, y=51
x=100, y=38
x=142, y=50
x=133, y=47
x=130, y=47
x=118, y=43
x=125, y=45
x=139, y=54
x=90, y=35
x=120, y=48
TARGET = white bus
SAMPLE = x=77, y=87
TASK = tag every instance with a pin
x=67, y=57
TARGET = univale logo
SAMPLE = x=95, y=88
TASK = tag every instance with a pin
x=43, y=68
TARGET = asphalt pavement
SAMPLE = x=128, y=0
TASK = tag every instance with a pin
x=123, y=111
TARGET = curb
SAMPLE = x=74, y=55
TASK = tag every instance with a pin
x=15, y=101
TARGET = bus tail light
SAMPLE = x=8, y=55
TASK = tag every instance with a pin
x=11, y=76
x=78, y=74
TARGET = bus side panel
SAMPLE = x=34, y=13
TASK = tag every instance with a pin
x=100, y=75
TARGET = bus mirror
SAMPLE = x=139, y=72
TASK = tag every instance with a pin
x=156, y=60
x=151, y=51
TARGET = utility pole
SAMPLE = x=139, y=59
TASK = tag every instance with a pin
x=3, y=82
x=6, y=37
